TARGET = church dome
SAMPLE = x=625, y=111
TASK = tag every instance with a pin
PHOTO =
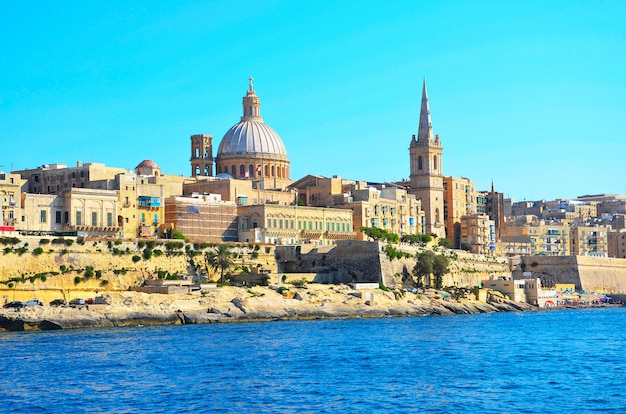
x=251, y=137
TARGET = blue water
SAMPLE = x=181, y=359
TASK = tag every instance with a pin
x=553, y=361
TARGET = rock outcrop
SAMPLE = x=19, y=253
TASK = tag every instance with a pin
x=228, y=304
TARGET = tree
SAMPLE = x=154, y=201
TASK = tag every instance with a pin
x=447, y=243
x=466, y=246
x=440, y=267
x=424, y=266
x=220, y=259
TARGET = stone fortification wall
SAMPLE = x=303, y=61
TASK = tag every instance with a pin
x=347, y=262
x=466, y=269
x=591, y=274
x=115, y=266
x=362, y=261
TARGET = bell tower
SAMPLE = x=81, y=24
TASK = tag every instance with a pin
x=201, y=155
x=426, y=173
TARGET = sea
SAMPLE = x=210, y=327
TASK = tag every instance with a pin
x=559, y=361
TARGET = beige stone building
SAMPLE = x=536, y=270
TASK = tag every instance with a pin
x=242, y=192
x=280, y=224
x=460, y=199
x=478, y=231
x=550, y=239
x=590, y=241
x=11, y=188
x=56, y=178
x=203, y=218
x=387, y=206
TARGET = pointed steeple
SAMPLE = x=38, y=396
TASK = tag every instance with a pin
x=425, y=130
x=251, y=104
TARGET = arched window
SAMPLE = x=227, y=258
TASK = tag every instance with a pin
x=436, y=215
x=197, y=152
x=436, y=168
x=206, y=153
x=419, y=162
x=242, y=170
x=250, y=170
x=233, y=171
x=207, y=170
x=196, y=170
x=273, y=171
x=267, y=170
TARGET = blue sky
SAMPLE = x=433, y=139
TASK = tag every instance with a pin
x=529, y=94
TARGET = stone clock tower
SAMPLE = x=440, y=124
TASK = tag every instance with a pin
x=426, y=179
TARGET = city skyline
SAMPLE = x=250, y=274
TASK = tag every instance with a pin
x=528, y=95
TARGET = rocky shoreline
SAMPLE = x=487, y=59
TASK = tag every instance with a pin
x=235, y=304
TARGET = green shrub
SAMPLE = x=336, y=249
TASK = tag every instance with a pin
x=89, y=272
x=268, y=249
x=299, y=283
x=104, y=282
x=38, y=251
x=11, y=285
x=98, y=274
x=8, y=250
x=151, y=244
x=381, y=286
x=157, y=252
x=136, y=258
x=43, y=278
x=69, y=242
x=178, y=235
x=44, y=241
x=63, y=268
x=141, y=244
x=118, y=242
x=77, y=280
x=147, y=254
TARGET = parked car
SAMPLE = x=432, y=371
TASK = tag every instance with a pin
x=33, y=302
x=14, y=304
x=90, y=301
x=58, y=302
x=77, y=301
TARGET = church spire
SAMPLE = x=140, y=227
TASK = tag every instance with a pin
x=251, y=104
x=425, y=131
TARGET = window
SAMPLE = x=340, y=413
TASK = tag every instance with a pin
x=79, y=218
x=94, y=218
x=57, y=217
x=43, y=216
x=143, y=217
x=109, y=219
x=419, y=162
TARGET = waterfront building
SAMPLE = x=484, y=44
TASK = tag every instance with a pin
x=281, y=224
x=590, y=241
x=460, y=199
x=426, y=178
x=11, y=188
x=478, y=233
x=546, y=238
x=201, y=218
x=383, y=205
x=56, y=178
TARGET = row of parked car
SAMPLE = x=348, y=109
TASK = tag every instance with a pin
x=56, y=302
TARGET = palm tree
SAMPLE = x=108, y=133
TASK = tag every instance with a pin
x=221, y=259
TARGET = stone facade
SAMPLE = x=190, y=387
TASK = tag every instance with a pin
x=426, y=179
x=279, y=224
